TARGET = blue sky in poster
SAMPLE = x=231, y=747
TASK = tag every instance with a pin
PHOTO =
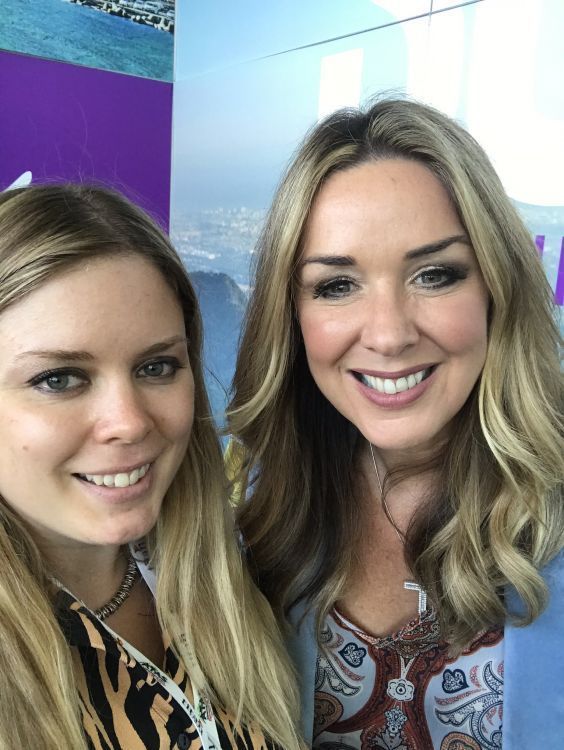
x=241, y=124
x=224, y=33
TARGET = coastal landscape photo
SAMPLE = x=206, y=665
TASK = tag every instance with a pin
x=125, y=36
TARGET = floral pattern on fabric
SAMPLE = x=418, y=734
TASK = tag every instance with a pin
x=481, y=706
x=404, y=692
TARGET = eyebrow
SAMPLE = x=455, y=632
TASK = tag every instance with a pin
x=436, y=247
x=330, y=260
x=428, y=249
x=66, y=355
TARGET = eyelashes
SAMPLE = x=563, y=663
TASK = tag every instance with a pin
x=163, y=368
x=58, y=380
x=438, y=277
x=430, y=278
x=67, y=380
x=333, y=288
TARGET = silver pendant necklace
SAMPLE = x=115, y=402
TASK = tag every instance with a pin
x=409, y=585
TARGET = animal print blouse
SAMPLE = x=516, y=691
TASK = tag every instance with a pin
x=124, y=705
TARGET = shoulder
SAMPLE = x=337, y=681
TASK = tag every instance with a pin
x=533, y=712
x=553, y=574
x=302, y=647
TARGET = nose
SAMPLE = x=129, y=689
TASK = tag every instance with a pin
x=389, y=323
x=121, y=415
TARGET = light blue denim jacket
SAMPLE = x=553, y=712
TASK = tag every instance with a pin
x=533, y=700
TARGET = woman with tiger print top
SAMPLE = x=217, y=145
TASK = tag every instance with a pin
x=127, y=617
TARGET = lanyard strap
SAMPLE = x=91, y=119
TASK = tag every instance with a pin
x=201, y=714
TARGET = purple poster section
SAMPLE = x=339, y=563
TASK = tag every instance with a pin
x=67, y=122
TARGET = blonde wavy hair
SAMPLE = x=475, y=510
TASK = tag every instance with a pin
x=221, y=626
x=498, y=517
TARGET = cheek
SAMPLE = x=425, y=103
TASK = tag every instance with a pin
x=475, y=333
x=325, y=336
x=177, y=419
x=35, y=437
x=464, y=328
x=31, y=451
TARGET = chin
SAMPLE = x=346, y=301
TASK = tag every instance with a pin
x=409, y=446
x=119, y=535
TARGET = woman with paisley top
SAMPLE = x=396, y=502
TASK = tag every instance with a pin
x=127, y=617
x=397, y=408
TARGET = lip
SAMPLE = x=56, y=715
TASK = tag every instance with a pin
x=395, y=400
x=117, y=495
x=396, y=374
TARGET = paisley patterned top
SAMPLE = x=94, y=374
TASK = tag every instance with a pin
x=403, y=692
x=124, y=705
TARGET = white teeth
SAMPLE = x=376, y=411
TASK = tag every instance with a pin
x=120, y=480
x=123, y=479
x=401, y=385
x=391, y=387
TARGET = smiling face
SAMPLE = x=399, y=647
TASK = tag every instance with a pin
x=392, y=305
x=96, y=402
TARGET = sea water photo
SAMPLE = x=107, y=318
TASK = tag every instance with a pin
x=125, y=36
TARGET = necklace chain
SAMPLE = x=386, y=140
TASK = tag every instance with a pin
x=125, y=588
x=410, y=585
x=387, y=512
x=131, y=575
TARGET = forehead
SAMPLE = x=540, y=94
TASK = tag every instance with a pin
x=384, y=201
x=102, y=299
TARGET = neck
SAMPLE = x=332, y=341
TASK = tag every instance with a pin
x=404, y=498
x=405, y=459
x=92, y=573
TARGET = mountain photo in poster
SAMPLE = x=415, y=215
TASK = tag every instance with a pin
x=126, y=36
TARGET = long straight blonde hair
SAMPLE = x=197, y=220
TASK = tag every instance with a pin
x=499, y=514
x=220, y=625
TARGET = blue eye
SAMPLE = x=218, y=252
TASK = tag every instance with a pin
x=159, y=368
x=58, y=381
x=334, y=288
x=439, y=277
